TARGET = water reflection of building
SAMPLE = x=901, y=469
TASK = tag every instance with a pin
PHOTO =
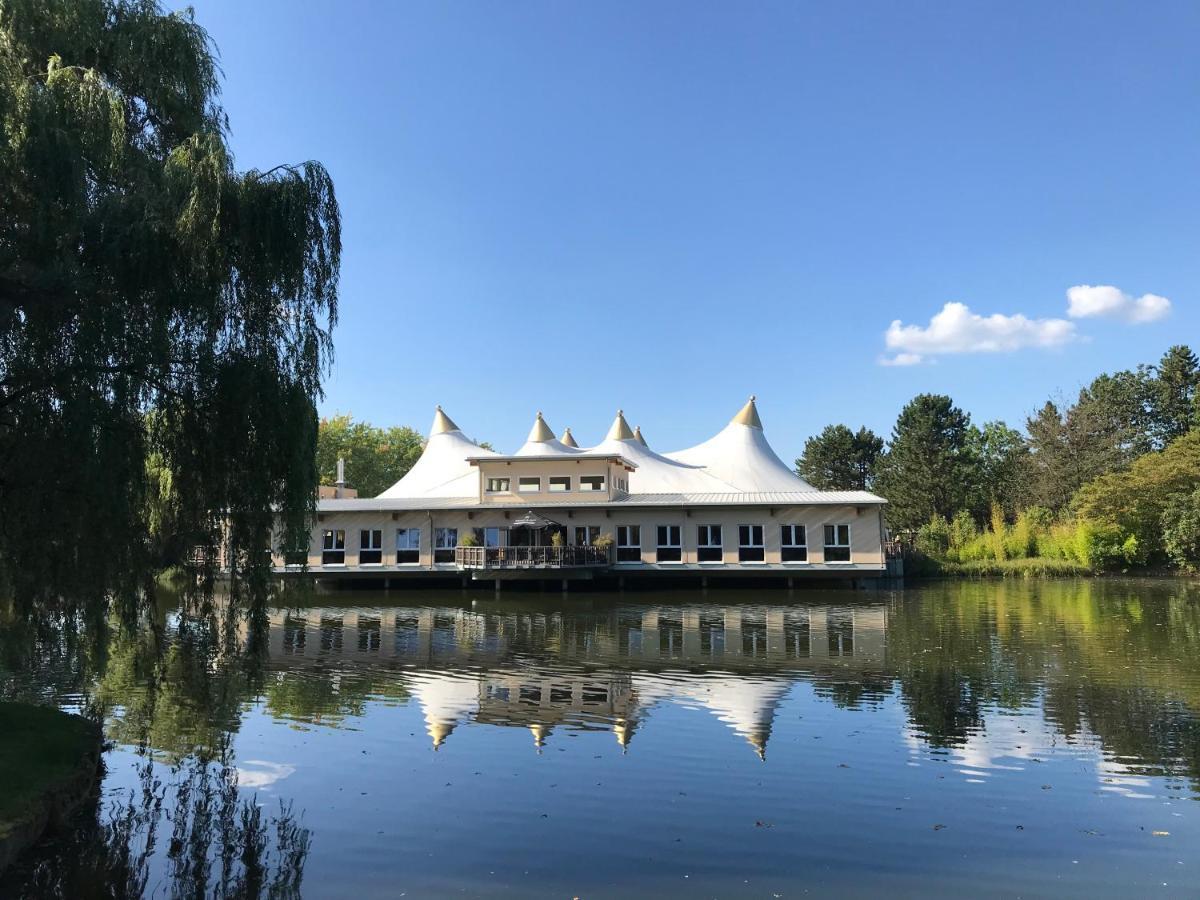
x=591, y=671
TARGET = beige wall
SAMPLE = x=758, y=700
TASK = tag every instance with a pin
x=865, y=537
x=545, y=469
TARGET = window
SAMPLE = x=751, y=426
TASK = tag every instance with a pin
x=444, y=542
x=585, y=535
x=497, y=485
x=591, y=482
x=837, y=543
x=408, y=546
x=629, y=543
x=370, y=547
x=793, y=543
x=491, y=537
x=708, y=543
x=669, y=549
x=750, y=543
x=529, y=485
x=333, y=547
x=560, y=483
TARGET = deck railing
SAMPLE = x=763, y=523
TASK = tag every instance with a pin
x=566, y=557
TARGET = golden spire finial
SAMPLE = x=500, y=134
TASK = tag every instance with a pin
x=540, y=433
x=568, y=439
x=637, y=433
x=620, y=430
x=442, y=423
x=748, y=415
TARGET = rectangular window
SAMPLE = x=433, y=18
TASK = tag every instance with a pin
x=370, y=547
x=591, y=482
x=497, y=485
x=560, y=484
x=629, y=543
x=708, y=543
x=408, y=546
x=492, y=537
x=750, y=543
x=444, y=542
x=529, y=485
x=585, y=535
x=333, y=547
x=793, y=543
x=669, y=546
x=837, y=543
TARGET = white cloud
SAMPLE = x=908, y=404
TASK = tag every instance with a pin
x=1085, y=301
x=958, y=330
x=902, y=359
x=258, y=773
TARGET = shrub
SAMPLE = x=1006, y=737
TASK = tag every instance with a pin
x=933, y=538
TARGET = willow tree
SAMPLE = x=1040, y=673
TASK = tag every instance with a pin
x=165, y=318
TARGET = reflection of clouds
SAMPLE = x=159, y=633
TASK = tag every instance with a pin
x=258, y=773
x=1004, y=737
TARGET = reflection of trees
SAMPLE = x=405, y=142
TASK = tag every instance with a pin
x=327, y=695
x=1118, y=659
x=218, y=844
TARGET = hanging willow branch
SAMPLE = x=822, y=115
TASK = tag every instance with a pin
x=165, y=320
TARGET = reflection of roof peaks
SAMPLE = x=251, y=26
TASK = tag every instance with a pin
x=445, y=701
x=540, y=733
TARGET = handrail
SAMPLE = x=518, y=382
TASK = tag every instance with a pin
x=564, y=557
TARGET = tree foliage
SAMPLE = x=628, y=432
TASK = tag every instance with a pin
x=929, y=467
x=839, y=459
x=156, y=305
x=376, y=458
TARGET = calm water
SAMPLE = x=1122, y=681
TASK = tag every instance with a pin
x=987, y=738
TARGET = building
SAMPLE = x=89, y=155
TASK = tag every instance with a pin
x=552, y=509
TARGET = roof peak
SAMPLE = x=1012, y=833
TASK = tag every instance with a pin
x=540, y=433
x=748, y=415
x=637, y=434
x=620, y=430
x=442, y=423
x=568, y=439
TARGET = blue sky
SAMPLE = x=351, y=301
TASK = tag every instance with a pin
x=668, y=206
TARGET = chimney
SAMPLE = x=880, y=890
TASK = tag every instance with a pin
x=341, y=473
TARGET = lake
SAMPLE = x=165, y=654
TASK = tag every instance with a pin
x=988, y=738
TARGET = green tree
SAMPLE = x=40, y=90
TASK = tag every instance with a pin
x=929, y=468
x=1001, y=455
x=376, y=458
x=839, y=459
x=1181, y=529
x=1134, y=500
x=140, y=271
x=1176, y=393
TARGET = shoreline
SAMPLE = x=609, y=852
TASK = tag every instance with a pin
x=64, y=752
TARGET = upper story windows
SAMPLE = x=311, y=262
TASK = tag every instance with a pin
x=498, y=485
x=529, y=484
x=837, y=543
x=559, y=483
x=591, y=482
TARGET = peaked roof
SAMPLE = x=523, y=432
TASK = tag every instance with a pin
x=443, y=469
x=748, y=415
x=637, y=435
x=619, y=431
x=568, y=439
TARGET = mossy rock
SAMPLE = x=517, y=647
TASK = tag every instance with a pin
x=48, y=764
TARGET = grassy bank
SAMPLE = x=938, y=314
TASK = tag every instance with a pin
x=45, y=756
x=1032, y=567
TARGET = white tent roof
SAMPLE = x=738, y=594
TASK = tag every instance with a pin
x=740, y=455
x=442, y=470
x=735, y=465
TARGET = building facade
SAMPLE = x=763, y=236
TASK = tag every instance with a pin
x=553, y=509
